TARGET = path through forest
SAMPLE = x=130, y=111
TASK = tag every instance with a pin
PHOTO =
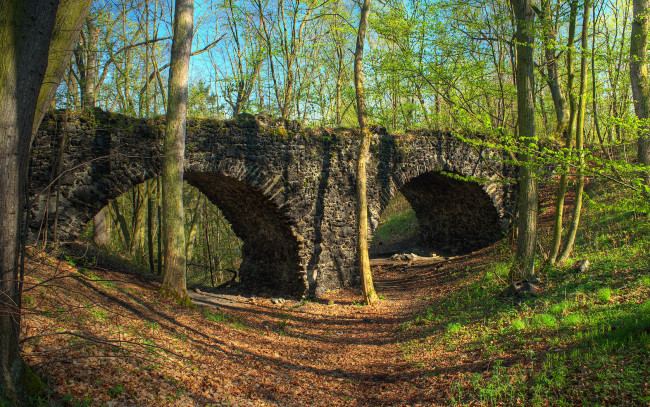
x=129, y=347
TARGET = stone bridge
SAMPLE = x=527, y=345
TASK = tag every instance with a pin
x=288, y=191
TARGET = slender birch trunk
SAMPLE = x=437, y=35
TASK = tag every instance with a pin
x=580, y=130
x=369, y=294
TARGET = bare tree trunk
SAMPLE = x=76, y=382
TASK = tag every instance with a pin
x=120, y=220
x=580, y=130
x=339, y=83
x=191, y=234
x=549, y=35
x=161, y=238
x=150, y=215
x=556, y=239
x=174, y=283
x=528, y=198
x=639, y=78
x=208, y=249
x=102, y=227
x=25, y=32
x=88, y=98
x=369, y=294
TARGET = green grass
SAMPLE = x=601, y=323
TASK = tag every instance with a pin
x=398, y=222
x=454, y=327
x=604, y=294
x=399, y=225
x=584, y=340
x=544, y=321
x=215, y=316
x=224, y=318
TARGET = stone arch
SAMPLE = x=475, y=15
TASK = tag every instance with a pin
x=455, y=216
x=281, y=185
x=103, y=163
x=270, y=254
x=454, y=188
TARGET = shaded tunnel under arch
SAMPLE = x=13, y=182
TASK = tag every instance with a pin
x=455, y=216
x=270, y=252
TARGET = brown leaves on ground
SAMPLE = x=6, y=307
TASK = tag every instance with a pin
x=104, y=337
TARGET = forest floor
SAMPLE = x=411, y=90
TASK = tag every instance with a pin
x=117, y=342
x=100, y=335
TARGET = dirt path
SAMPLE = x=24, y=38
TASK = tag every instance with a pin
x=351, y=352
x=232, y=350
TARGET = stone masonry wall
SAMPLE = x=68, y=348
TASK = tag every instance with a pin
x=288, y=191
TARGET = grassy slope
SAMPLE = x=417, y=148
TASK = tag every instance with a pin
x=584, y=340
x=398, y=226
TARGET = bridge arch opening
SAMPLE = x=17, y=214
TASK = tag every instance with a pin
x=454, y=216
x=257, y=242
x=397, y=229
x=130, y=225
x=270, y=250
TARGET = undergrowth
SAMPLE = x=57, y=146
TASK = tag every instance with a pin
x=585, y=339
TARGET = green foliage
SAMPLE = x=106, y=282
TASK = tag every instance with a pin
x=217, y=316
x=225, y=318
x=99, y=314
x=397, y=223
x=645, y=281
x=400, y=224
x=128, y=217
x=87, y=401
x=545, y=321
x=279, y=133
x=454, y=327
x=201, y=101
x=604, y=294
x=518, y=325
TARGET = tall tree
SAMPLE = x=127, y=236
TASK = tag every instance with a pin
x=580, y=138
x=639, y=78
x=552, y=77
x=174, y=152
x=369, y=294
x=26, y=37
x=85, y=57
x=69, y=21
x=556, y=240
x=528, y=196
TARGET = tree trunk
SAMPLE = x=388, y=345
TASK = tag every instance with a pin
x=556, y=239
x=88, y=97
x=161, y=238
x=549, y=35
x=528, y=198
x=190, y=241
x=150, y=215
x=639, y=78
x=580, y=130
x=70, y=17
x=102, y=227
x=25, y=33
x=339, y=82
x=369, y=294
x=174, y=150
